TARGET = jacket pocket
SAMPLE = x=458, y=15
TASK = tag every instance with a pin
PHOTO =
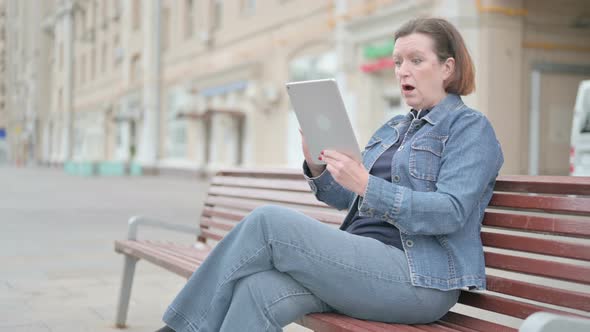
x=425, y=157
x=373, y=142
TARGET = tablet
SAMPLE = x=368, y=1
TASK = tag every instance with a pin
x=322, y=117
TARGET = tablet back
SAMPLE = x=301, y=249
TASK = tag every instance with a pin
x=323, y=118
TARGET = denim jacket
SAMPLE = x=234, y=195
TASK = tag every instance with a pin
x=443, y=176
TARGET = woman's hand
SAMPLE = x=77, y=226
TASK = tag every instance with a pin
x=348, y=172
x=316, y=169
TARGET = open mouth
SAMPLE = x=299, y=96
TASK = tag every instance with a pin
x=407, y=87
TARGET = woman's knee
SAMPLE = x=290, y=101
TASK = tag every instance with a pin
x=278, y=295
x=265, y=287
x=269, y=214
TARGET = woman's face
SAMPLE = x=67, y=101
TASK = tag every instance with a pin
x=420, y=74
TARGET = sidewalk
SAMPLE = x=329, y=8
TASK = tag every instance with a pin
x=59, y=271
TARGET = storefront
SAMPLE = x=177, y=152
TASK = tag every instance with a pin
x=89, y=136
x=127, y=121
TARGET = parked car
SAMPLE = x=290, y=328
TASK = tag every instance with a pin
x=580, y=138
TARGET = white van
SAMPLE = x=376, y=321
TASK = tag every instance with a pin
x=580, y=139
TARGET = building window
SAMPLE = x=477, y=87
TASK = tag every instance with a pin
x=176, y=138
x=217, y=14
x=165, y=28
x=189, y=18
x=313, y=67
x=80, y=28
x=59, y=99
x=116, y=9
x=118, y=52
x=103, y=58
x=248, y=7
x=136, y=68
x=105, y=12
x=83, y=69
x=61, y=56
x=136, y=12
x=94, y=15
x=93, y=64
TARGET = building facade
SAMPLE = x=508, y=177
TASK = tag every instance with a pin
x=26, y=81
x=3, y=106
x=195, y=85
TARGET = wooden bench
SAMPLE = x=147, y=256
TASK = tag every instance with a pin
x=536, y=235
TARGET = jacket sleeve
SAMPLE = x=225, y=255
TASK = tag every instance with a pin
x=327, y=190
x=469, y=165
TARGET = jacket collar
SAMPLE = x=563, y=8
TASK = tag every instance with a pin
x=442, y=109
x=436, y=114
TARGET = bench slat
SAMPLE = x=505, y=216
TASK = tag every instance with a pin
x=474, y=323
x=261, y=183
x=267, y=195
x=188, y=254
x=135, y=249
x=552, y=204
x=544, y=184
x=208, y=234
x=551, y=224
x=330, y=322
x=281, y=173
x=329, y=215
x=456, y=327
x=504, y=306
x=436, y=327
x=557, y=270
x=249, y=205
x=534, y=245
x=545, y=294
x=178, y=253
x=212, y=223
x=330, y=218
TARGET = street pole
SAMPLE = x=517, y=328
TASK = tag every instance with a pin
x=149, y=142
x=66, y=14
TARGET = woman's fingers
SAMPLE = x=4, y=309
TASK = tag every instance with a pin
x=335, y=155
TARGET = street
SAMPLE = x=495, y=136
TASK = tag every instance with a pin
x=58, y=269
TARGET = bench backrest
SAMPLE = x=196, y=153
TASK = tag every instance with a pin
x=536, y=234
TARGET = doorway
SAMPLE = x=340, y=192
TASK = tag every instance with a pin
x=553, y=95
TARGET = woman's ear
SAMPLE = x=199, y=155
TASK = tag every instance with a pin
x=448, y=68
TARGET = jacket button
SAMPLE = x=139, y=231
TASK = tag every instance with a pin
x=396, y=178
x=313, y=187
x=409, y=243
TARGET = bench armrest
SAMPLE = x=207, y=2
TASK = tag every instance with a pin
x=136, y=221
x=546, y=322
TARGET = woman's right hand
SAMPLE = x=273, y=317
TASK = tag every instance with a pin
x=316, y=169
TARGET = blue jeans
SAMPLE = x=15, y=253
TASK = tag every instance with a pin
x=277, y=265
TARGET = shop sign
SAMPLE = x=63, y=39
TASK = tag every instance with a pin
x=378, y=65
x=380, y=56
x=372, y=52
x=224, y=89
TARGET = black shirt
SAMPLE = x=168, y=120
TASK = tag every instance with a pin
x=371, y=226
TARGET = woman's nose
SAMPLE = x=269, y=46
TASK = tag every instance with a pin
x=402, y=69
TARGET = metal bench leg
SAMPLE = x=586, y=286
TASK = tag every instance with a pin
x=125, y=293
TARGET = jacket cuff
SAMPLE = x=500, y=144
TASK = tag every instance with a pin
x=316, y=183
x=382, y=200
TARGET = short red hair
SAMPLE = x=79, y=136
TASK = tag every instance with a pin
x=448, y=43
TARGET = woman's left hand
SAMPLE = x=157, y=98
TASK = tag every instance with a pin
x=348, y=172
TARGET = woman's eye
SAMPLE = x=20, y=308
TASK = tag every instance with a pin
x=397, y=63
x=417, y=61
